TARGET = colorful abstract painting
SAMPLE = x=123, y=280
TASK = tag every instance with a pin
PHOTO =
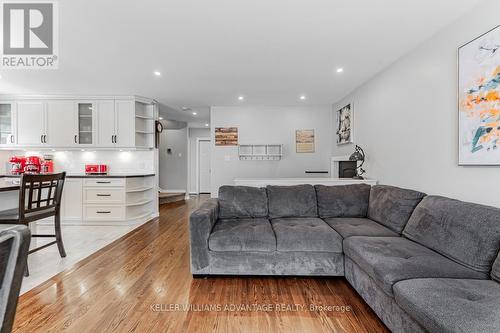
x=479, y=104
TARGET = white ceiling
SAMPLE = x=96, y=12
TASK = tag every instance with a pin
x=210, y=52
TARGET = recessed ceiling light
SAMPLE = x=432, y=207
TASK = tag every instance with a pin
x=185, y=108
x=157, y=73
x=303, y=97
x=161, y=118
x=206, y=125
x=240, y=98
x=194, y=113
x=340, y=70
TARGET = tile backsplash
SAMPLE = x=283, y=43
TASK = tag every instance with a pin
x=73, y=162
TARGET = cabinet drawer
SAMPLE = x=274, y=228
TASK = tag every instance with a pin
x=104, y=213
x=104, y=195
x=103, y=182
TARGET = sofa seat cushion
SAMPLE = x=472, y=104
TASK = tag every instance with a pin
x=465, y=232
x=305, y=234
x=242, y=202
x=242, y=235
x=388, y=260
x=495, y=272
x=392, y=206
x=292, y=201
x=351, y=226
x=451, y=305
x=343, y=201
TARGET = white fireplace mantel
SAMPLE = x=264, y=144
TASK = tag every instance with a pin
x=334, y=166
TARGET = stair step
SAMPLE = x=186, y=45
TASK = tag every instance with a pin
x=171, y=197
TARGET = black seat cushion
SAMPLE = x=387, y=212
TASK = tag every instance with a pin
x=388, y=260
x=465, y=232
x=242, y=202
x=451, y=305
x=352, y=226
x=343, y=201
x=292, y=201
x=305, y=234
x=230, y=235
x=392, y=206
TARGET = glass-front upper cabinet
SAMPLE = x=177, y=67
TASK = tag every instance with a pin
x=7, y=129
x=86, y=123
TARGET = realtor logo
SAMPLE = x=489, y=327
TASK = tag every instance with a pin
x=29, y=36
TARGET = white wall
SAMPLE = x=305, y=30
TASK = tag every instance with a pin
x=173, y=167
x=194, y=133
x=406, y=118
x=272, y=125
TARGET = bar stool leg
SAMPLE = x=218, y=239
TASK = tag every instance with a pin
x=57, y=225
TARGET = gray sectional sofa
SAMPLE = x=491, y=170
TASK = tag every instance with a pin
x=422, y=263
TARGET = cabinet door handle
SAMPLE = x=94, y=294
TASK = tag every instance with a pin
x=103, y=212
x=76, y=138
x=103, y=195
x=11, y=138
x=41, y=138
x=103, y=182
x=112, y=139
x=45, y=139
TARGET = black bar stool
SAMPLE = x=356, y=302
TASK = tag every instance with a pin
x=39, y=198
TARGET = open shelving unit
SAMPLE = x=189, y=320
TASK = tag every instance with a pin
x=260, y=152
x=144, y=124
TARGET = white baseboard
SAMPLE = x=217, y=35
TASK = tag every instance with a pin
x=172, y=191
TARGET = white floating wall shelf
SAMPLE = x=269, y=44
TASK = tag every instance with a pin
x=260, y=152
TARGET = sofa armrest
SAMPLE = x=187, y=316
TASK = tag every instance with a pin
x=201, y=223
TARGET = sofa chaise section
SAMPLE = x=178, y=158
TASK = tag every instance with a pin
x=453, y=305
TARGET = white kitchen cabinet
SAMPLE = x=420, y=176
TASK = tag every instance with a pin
x=71, y=122
x=62, y=121
x=86, y=119
x=31, y=123
x=125, y=123
x=116, y=123
x=72, y=200
x=106, y=123
x=7, y=124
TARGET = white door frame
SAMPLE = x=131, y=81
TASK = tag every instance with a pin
x=198, y=162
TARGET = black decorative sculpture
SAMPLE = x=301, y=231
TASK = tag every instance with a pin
x=358, y=156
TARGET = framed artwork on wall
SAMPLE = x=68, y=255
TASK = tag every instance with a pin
x=344, y=124
x=479, y=100
x=226, y=136
x=304, y=141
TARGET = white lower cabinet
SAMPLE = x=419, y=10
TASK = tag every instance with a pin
x=72, y=201
x=113, y=200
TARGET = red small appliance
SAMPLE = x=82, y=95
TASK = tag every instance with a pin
x=33, y=165
x=96, y=169
x=47, y=164
x=17, y=165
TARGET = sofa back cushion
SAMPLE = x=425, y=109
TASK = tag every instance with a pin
x=292, y=201
x=464, y=232
x=495, y=272
x=343, y=201
x=392, y=206
x=242, y=202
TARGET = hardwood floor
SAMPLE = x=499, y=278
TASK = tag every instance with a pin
x=142, y=283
